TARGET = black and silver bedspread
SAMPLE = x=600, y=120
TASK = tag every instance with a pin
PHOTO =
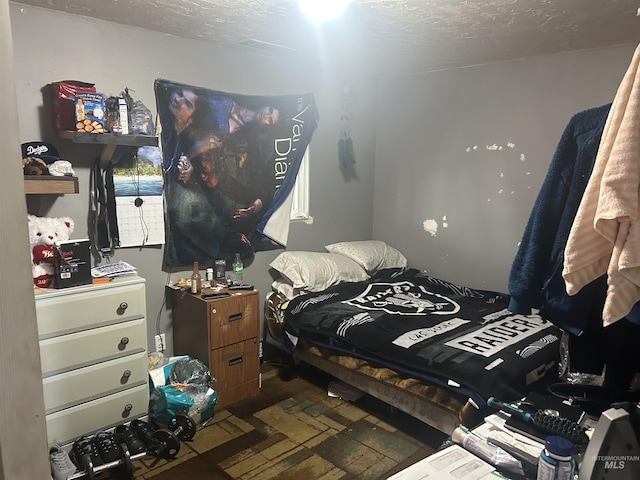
x=430, y=329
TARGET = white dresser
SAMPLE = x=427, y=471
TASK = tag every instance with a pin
x=93, y=353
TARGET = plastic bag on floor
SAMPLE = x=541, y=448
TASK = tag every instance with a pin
x=160, y=370
x=197, y=401
x=191, y=372
x=187, y=388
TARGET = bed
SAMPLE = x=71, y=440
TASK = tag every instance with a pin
x=431, y=348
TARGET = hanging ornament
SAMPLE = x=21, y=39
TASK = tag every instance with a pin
x=346, y=153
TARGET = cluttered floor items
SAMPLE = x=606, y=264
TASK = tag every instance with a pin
x=114, y=452
x=296, y=427
x=181, y=399
x=543, y=437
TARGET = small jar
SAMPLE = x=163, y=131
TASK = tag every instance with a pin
x=209, y=274
x=220, y=266
x=556, y=461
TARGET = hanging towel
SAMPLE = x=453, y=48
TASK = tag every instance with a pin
x=605, y=235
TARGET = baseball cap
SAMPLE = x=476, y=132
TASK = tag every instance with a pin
x=44, y=150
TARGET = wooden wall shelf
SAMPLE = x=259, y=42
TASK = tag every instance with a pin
x=110, y=139
x=41, y=184
x=114, y=145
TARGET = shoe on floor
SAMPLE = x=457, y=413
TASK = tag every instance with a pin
x=61, y=465
x=84, y=446
x=107, y=446
x=125, y=434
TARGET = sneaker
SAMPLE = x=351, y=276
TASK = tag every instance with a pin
x=107, y=446
x=84, y=446
x=61, y=466
x=125, y=434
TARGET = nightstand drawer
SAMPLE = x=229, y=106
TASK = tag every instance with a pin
x=67, y=425
x=88, y=383
x=81, y=349
x=234, y=319
x=235, y=364
x=90, y=307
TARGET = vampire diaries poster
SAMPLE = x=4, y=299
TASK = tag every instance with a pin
x=229, y=162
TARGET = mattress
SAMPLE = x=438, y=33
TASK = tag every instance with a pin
x=461, y=339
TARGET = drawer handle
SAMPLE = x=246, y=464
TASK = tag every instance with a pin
x=127, y=410
x=235, y=317
x=123, y=343
x=125, y=376
x=122, y=308
x=235, y=361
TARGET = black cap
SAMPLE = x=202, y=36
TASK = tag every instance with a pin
x=43, y=150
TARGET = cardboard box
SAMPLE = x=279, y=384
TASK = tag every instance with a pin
x=62, y=97
x=73, y=263
x=124, y=116
x=90, y=112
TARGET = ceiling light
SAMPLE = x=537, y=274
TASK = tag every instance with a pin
x=322, y=10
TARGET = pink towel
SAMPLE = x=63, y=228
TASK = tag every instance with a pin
x=605, y=235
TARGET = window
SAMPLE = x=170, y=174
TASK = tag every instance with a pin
x=300, y=203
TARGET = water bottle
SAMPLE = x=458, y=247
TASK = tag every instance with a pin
x=236, y=269
x=556, y=461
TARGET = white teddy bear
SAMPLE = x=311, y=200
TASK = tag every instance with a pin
x=44, y=232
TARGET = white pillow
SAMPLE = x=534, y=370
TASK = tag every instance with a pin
x=372, y=255
x=285, y=287
x=316, y=271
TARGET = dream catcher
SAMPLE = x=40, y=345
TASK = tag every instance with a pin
x=346, y=154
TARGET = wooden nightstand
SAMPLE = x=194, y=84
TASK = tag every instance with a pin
x=224, y=334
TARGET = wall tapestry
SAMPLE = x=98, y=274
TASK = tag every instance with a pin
x=229, y=164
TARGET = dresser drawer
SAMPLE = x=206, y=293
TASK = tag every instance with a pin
x=81, y=349
x=67, y=425
x=87, y=308
x=233, y=320
x=88, y=383
x=235, y=364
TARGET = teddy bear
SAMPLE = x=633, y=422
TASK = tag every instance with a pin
x=34, y=166
x=44, y=232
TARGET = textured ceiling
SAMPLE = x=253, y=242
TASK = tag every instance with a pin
x=398, y=36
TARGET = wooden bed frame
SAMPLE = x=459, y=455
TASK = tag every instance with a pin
x=436, y=406
x=442, y=418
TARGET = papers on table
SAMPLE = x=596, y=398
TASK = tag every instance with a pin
x=451, y=463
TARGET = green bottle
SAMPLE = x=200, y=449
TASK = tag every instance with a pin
x=236, y=269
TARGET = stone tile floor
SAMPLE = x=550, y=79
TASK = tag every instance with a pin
x=293, y=430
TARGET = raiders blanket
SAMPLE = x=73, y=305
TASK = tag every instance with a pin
x=431, y=329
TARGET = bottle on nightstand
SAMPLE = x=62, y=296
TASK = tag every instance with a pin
x=237, y=270
x=196, y=280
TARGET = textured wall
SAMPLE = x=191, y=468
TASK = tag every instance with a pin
x=461, y=155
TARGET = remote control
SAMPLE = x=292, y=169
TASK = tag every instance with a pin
x=240, y=287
